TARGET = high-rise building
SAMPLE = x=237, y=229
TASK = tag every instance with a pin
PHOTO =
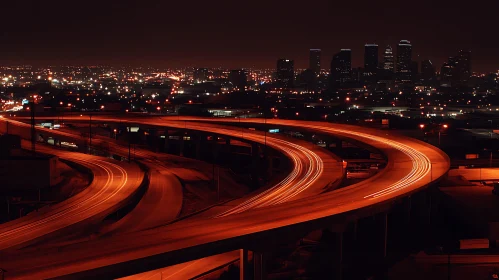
x=238, y=78
x=457, y=70
x=315, y=61
x=370, y=59
x=341, y=67
x=388, y=61
x=404, y=60
x=285, y=73
x=427, y=71
x=200, y=75
x=463, y=66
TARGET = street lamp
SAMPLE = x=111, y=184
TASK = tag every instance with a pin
x=422, y=126
x=440, y=131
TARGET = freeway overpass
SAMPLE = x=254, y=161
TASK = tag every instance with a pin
x=113, y=185
x=412, y=165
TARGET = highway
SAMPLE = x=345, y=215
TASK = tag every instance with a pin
x=457, y=259
x=188, y=270
x=477, y=174
x=161, y=203
x=309, y=160
x=411, y=165
x=113, y=183
x=160, y=192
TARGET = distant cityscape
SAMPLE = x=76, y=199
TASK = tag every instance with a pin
x=393, y=78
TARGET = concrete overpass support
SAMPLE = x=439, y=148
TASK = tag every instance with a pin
x=199, y=143
x=260, y=270
x=339, y=256
x=166, y=143
x=214, y=148
x=409, y=209
x=227, y=150
x=181, y=143
x=243, y=264
x=339, y=144
x=384, y=227
x=336, y=239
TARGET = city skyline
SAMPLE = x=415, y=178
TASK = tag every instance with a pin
x=223, y=35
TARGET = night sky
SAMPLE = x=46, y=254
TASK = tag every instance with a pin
x=240, y=33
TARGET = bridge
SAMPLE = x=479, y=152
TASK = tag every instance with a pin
x=272, y=218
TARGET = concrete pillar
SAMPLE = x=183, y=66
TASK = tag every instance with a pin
x=430, y=200
x=260, y=271
x=243, y=264
x=384, y=225
x=227, y=148
x=355, y=229
x=334, y=240
x=181, y=146
x=338, y=144
x=339, y=264
x=215, y=147
x=165, y=147
x=199, y=143
x=409, y=209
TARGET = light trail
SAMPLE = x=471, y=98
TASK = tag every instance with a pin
x=308, y=166
x=80, y=207
x=409, y=163
x=110, y=187
x=421, y=164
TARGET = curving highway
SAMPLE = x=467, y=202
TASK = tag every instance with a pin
x=411, y=166
x=113, y=183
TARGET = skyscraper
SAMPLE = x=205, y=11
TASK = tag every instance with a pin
x=341, y=67
x=285, y=73
x=427, y=71
x=404, y=59
x=463, y=66
x=457, y=70
x=370, y=59
x=315, y=61
x=388, y=61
